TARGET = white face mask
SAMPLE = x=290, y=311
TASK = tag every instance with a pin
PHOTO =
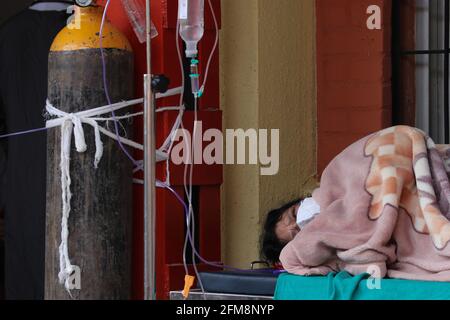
x=307, y=211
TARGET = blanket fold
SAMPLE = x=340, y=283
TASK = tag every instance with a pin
x=384, y=208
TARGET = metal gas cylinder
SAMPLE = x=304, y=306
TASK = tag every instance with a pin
x=100, y=220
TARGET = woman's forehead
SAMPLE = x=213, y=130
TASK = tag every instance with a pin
x=286, y=216
x=288, y=210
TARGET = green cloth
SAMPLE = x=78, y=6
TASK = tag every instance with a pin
x=343, y=286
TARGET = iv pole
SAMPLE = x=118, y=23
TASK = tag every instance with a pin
x=149, y=173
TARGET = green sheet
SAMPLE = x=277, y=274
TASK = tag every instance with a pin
x=343, y=286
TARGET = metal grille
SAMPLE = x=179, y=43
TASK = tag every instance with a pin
x=439, y=25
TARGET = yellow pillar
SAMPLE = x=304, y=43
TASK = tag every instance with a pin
x=268, y=82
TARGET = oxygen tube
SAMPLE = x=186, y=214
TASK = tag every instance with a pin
x=190, y=27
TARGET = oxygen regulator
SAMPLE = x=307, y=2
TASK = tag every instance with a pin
x=84, y=3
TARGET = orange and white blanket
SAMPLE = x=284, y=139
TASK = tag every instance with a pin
x=385, y=205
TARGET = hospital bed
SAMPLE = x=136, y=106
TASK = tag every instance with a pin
x=343, y=286
x=336, y=286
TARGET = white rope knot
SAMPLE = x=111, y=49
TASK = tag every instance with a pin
x=80, y=141
x=74, y=122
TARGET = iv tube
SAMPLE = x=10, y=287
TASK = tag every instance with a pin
x=195, y=79
x=136, y=14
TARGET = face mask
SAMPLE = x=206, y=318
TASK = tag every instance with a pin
x=307, y=211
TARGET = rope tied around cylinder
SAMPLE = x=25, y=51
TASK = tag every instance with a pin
x=72, y=124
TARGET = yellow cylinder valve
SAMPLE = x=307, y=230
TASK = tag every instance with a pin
x=83, y=32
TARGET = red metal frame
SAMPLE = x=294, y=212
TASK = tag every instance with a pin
x=170, y=215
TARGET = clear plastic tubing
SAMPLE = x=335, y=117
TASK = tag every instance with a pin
x=195, y=78
x=191, y=14
x=136, y=13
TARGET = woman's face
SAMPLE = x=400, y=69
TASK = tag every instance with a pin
x=287, y=228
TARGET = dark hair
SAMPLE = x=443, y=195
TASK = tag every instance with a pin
x=271, y=246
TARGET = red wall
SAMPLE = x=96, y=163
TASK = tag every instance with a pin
x=353, y=74
x=170, y=218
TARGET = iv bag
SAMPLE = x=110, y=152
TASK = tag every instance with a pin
x=191, y=15
x=135, y=10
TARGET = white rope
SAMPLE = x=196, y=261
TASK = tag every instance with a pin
x=72, y=123
x=159, y=184
x=87, y=117
x=168, y=144
x=65, y=267
x=119, y=117
x=170, y=92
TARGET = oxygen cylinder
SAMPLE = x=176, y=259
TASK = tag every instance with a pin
x=100, y=220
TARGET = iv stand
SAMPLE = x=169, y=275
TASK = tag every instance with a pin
x=149, y=173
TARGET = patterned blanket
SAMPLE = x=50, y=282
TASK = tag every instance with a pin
x=385, y=208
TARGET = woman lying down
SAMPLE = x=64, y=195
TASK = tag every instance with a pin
x=383, y=204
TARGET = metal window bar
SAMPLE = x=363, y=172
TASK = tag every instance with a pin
x=398, y=53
